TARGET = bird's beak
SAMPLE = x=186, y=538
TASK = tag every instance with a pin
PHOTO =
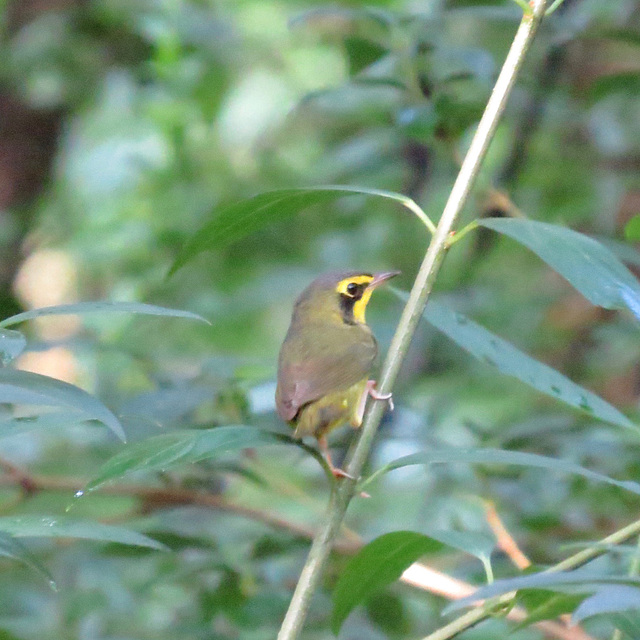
x=379, y=278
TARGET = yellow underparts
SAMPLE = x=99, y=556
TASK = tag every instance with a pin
x=325, y=414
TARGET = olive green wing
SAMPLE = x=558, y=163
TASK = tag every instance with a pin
x=310, y=371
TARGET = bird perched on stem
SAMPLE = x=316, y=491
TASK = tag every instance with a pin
x=327, y=356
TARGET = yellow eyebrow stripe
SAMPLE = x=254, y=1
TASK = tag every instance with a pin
x=363, y=279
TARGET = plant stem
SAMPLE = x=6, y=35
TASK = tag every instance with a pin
x=472, y=618
x=344, y=490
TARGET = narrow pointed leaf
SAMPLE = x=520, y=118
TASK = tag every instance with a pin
x=240, y=219
x=47, y=422
x=498, y=353
x=82, y=308
x=37, y=526
x=182, y=448
x=588, y=265
x=573, y=581
x=608, y=599
x=12, y=344
x=500, y=457
x=545, y=605
x=23, y=387
x=376, y=565
x=14, y=549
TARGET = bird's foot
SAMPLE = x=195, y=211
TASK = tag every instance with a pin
x=376, y=395
x=337, y=472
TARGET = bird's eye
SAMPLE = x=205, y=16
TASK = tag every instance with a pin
x=352, y=287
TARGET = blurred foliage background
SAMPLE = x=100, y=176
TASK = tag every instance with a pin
x=125, y=125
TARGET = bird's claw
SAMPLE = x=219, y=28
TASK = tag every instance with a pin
x=376, y=395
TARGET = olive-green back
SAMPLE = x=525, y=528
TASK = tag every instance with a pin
x=319, y=357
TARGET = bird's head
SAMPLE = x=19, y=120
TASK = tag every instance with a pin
x=341, y=296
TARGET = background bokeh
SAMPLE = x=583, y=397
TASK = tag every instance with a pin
x=124, y=126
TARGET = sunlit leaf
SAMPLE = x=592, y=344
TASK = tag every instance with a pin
x=498, y=353
x=82, y=308
x=632, y=229
x=500, y=457
x=244, y=217
x=23, y=387
x=185, y=447
x=12, y=344
x=589, y=266
x=376, y=565
x=14, y=549
x=38, y=526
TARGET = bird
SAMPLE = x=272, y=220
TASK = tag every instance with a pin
x=327, y=356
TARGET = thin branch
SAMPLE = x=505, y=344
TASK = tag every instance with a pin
x=173, y=496
x=471, y=618
x=341, y=494
x=505, y=540
x=418, y=575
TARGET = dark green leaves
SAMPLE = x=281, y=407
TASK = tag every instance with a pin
x=180, y=448
x=32, y=526
x=589, y=266
x=99, y=307
x=376, y=565
x=22, y=387
x=502, y=457
x=242, y=218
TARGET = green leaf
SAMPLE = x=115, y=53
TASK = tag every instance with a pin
x=101, y=307
x=47, y=421
x=233, y=222
x=494, y=351
x=627, y=623
x=501, y=457
x=622, y=250
x=12, y=344
x=387, y=612
x=575, y=581
x=632, y=229
x=625, y=82
x=185, y=447
x=545, y=605
x=23, y=387
x=14, y=549
x=38, y=526
x=375, y=566
x=608, y=599
x=589, y=266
